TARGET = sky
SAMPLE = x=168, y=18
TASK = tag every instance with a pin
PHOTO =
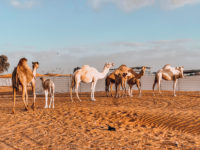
x=64, y=34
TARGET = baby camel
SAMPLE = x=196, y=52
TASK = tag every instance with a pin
x=135, y=79
x=48, y=86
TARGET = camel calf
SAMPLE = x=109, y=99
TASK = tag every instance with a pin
x=48, y=86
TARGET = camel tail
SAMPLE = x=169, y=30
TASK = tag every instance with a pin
x=155, y=81
x=73, y=82
x=107, y=85
x=15, y=80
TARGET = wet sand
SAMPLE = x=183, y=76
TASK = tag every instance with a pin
x=147, y=122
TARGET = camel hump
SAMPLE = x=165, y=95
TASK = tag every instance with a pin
x=124, y=68
x=22, y=62
x=85, y=67
x=24, y=73
x=167, y=66
x=117, y=71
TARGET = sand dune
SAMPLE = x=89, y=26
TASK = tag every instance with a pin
x=147, y=122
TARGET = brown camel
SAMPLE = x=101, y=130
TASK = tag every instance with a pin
x=135, y=79
x=117, y=77
x=23, y=75
x=120, y=79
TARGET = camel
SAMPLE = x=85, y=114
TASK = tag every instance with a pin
x=168, y=73
x=128, y=76
x=120, y=78
x=48, y=86
x=132, y=82
x=23, y=75
x=88, y=74
x=117, y=77
x=135, y=79
x=125, y=73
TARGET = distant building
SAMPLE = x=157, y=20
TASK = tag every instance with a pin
x=192, y=72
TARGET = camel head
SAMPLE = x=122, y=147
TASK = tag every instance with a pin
x=180, y=69
x=22, y=62
x=35, y=65
x=42, y=79
x=124, y=74
x=144, y=68
x=108, y=65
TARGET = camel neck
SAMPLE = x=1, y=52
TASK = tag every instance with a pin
x=103, y=73
x=34, y=72
x=140, y=74
x=43, y=83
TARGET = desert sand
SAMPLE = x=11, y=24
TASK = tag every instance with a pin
x=147, y=122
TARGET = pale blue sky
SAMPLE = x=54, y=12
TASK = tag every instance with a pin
x=105, y=28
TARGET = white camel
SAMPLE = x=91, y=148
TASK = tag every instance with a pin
x=48, y=86
x=168, y=73
x=88, y=74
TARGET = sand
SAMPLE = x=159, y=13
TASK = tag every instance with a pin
x=147, y=122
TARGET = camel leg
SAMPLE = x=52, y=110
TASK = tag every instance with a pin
x=123, y=89
x=50, y=99
x=116, y=90
x=71, y=95
x=92, y=86
x=26, y=95
x=155, y=81
x=76, y=90
x=34, y=95
x=23, y=96
x=174, y=87
x=122, y=85
x=158, y=84
x=71, y=88
x=92, y=90
x=53, y=97
x=117, y=86
x=46, y=99
x=14, y=98
x=159, y=78
x=107, y=84
x=139, y=88
x=111, y=89
x=125, y=93
x=130, y=91
x=53, y=100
